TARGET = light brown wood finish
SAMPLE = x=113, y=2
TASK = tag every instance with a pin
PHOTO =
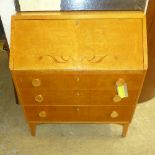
x=125, y=129
x=73, y=80
x=76, y=97
x=73, y=43
x=78, y=114
x=32, y=127
x=69, y=73
x=71, y=88
x=80, y=15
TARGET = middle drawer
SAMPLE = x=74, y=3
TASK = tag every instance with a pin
x=75, y=97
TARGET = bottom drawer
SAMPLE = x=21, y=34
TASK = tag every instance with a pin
x=79, y=114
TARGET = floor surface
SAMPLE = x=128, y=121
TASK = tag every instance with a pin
x=15, y=138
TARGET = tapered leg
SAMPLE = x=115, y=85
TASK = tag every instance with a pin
x=125, y=129
x=32, y=127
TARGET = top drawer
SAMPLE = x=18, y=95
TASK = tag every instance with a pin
x=75, y=80
x=87, y=43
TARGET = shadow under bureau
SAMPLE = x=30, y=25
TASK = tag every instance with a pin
x=78, y=67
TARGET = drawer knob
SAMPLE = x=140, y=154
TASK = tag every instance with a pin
x=42, y=114
x=36, y=82
x=39, y=98
x=117, y=98
x=114, y=114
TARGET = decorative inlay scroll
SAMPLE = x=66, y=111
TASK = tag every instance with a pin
x=70, y=59
x=93, y=59
x=56, y=59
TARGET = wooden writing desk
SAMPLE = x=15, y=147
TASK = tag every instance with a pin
x=71, y=67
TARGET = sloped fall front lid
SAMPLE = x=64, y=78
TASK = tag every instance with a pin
x=78, y=41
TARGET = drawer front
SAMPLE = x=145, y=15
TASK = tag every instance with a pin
x=75, y=80
x=75, y=97
x=78, y=114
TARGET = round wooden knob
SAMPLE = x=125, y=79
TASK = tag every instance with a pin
x=120, y=82
x=114, y=114
x=36, y=82
x=42, y=114
x=39, y=98
x=117, y=98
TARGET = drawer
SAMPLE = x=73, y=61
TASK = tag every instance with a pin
x=75, y=80
x=75, y=97
x=78, y=114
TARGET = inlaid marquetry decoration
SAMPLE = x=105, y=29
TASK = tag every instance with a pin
x=70, y=59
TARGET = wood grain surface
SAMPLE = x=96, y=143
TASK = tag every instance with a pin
x=73, y=80
x=78, y=44
x=78, y=114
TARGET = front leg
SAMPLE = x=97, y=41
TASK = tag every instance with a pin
x=125, y=129
x=32, y=127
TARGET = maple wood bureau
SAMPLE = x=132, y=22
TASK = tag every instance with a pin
x=78, y=67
